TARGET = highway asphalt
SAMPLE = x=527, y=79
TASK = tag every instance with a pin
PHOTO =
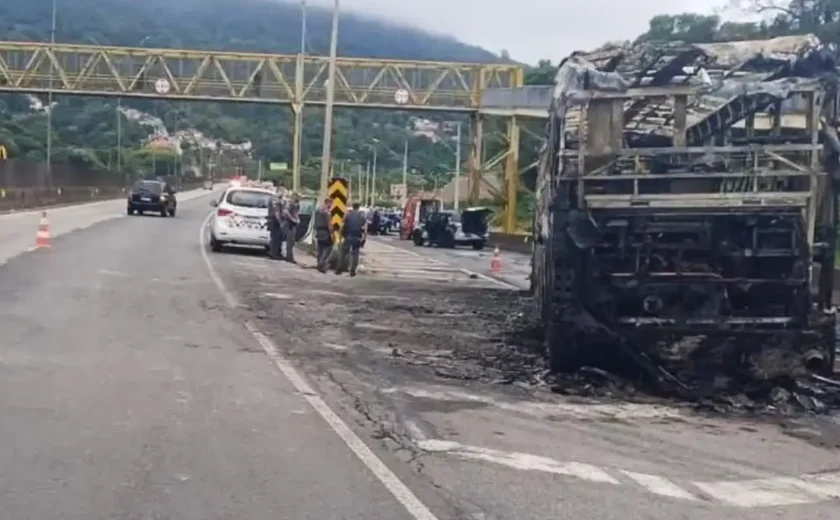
x=128, y=390
x=142, y=377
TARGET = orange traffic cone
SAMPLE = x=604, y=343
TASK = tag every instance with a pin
x=42, y=239
x=496, y=261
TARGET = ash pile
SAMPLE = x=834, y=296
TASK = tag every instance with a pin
x=745, y=388
x=706, y=374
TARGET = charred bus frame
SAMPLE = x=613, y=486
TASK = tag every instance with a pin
x=656, y=248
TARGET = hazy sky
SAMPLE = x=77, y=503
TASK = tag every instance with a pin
x=529, y=29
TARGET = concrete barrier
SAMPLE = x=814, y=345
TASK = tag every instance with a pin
x=22, y=199
x=519, y=243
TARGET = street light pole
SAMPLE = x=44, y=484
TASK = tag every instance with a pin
x=119, y=138
x=373, y=180
x=303, y=26
x=405, y=174
x=360, y=191
x=50, y=96
x=367, y=185
x=328, y=113
x=458, y=168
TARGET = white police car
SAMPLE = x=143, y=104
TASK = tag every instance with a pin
x=241, y=218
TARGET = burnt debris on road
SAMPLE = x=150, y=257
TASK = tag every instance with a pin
x=444, y=332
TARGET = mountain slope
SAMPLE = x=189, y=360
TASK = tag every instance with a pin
x=246, y=25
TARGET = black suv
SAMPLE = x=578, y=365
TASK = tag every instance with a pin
x=154, y=196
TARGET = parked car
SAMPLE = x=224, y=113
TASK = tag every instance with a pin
x=241, y=218
x=450, y=229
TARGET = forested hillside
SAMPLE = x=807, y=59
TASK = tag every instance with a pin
x=85, y=129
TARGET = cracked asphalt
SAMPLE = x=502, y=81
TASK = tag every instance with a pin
x=128, y=389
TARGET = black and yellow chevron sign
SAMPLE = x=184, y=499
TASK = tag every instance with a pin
x=339, y=193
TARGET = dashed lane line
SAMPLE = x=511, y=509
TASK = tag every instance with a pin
x=624, y=411
x=521, y=461
x=745, y=494
x=392, y=483
x=659, y=485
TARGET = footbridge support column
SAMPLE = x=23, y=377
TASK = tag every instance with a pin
x=297, y=110
x=476, y=157
x=511, y=171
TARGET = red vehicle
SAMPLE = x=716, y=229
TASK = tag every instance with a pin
x=416, y=210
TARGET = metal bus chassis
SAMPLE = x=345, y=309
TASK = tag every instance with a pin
x=684, y=258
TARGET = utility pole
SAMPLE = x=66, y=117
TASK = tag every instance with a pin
x=50, y=96
x=458, y=168
x=303, y=26
x=119, y=140
x=366, y=201
x=405, y=174
x=359, y=190
x=326, y=151
x=373, y=180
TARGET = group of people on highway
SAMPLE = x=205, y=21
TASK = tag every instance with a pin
x=284, y=219
x=353, y=231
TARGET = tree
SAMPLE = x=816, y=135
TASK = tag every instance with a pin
x=248, y=25
x=542, y=74
x=685, y=27
x=820, y=17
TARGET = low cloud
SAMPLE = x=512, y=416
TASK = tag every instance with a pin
x=528, y=29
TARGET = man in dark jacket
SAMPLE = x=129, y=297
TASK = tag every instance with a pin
x=376, y=223
x=275, y=229
x=291, y=219
x=353, y=234
x=323, y=234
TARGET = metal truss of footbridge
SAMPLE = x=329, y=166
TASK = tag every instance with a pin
x=480, y=90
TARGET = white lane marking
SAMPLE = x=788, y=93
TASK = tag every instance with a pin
x=767, y=492
x=414, y=431
x=754, y=493
x=277, y=296
x=392, y=483
x=578, y=411
x=335, y=346
x=80, y=217
x=438, y=262
x=826, y=485
x=659, y=485
x=521, y=461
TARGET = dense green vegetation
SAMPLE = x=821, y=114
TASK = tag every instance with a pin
x=85, y=130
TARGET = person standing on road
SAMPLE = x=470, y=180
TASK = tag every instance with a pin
x=353, y=234
x=275, y=229
x=323, y=234
x=291, y=219
x=376, y=223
